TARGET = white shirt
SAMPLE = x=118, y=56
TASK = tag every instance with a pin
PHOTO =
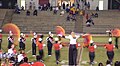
x=20, y=57
x=10, y=51
x=72, y=40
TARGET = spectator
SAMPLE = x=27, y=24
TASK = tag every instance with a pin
x=55, y=10
x=100, y=64
x=11, y=51
x=38, y=63
x=97, y=8
x=68, y=17
x=89, y=21
x=63, y=5
x=48, y=5
x=20, y=57
x=51, y=8
x=28, y=13
x=40, y=7
x=108, y=63
x=25, y=62
x=17, y=10
x=96, y=14
x=35, y=12
x=22, y=8
x=117, y=63
x=87, y=16
x=62, y=13
x=88, y=5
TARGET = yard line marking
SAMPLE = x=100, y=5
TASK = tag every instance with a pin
x=80, y=55
x=29, y=51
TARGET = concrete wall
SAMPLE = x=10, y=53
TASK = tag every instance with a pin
x=95, y=3
x=35, y=4
x=53, y=2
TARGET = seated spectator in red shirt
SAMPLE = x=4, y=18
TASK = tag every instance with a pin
x=25, y=62
x=38, y=63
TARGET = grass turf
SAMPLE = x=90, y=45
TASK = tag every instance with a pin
x=50, y=61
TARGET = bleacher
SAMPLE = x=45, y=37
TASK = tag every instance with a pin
x=106, y=20
x=2, y=15
x=43, y=23
x=46, y=21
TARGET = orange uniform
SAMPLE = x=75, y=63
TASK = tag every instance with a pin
x=56, y=46
x=91, y=49
x=109, y=47
x=38, y=64
x=40, y=46
x=25, y=64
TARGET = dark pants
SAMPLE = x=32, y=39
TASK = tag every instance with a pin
x=33, y=49
x=49, y=46
x=91, y=56
x=116, y=42
x=72, y=55
x=0, y=43
x=110, y=55
x=22, y=46
x=41, y=53
x=57, y=54
x=9, y=45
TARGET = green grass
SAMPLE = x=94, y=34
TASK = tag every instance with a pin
x=50, y=61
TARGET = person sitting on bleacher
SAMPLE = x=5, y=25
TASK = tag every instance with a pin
x=28, y=13
x=94, y=15
x=17, y=10
x=89, y=21
x=35, y=13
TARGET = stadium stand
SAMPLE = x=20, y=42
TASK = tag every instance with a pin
x=43, y=23
x=108, y=19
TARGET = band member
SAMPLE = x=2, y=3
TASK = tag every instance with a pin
x=34, y=40
x=50, y=43
x=57, y=47
x=0, y=40
x=72, y=48
x=92, y=52
x=110, y=50
x=10, y=40
x=116, y=42
x=22, y=42
x=40, y=48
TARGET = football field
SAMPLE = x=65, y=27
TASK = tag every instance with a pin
x=100, y=52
